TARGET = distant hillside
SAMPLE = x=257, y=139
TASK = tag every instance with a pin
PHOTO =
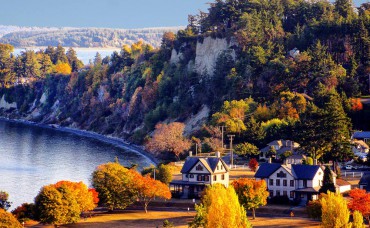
x=80, y=37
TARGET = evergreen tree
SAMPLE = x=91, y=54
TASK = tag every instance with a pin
x=328, y=182
x=344, y=8
x=73, y=61
x=60, y=55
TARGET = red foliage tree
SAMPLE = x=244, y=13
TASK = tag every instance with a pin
x=253, y=164
x=95, y=195
x=360, y=201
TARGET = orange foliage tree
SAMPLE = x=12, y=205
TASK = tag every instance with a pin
x=356, y=104
x=63, y=68
x=251, y=193
x=82, y=194
x=148, y=189
x=169, y=138
x=360, y=201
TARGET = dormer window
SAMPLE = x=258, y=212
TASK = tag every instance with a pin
x=199, y=168
x=281, y=174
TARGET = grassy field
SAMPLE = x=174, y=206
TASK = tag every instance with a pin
x=131, y=219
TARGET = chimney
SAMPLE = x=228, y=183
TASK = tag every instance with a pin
x=218, y=154
x=190, y=153
x=270, y=160
x=314, y=161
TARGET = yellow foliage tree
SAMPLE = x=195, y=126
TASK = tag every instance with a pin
x=8, y=220
x=220, y=208
x=233, y=113
x=358, y=220
x=335, y=212
x=63, y=68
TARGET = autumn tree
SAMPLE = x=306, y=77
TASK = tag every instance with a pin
x=56, y=205
x=360, y=201
x=163, y=172
x=251, y=193
x=233, y=113
x=169, y=138
x=220, y=207
x=4, y=202
x=253, y=164
x=334, y=204
x=246, y=149
x=114, y=183
x=8, y=220
x=147, y=189
x=63, y=68
x=83, y=196
x=358, y=220
x=24, y=212
x=95, y=195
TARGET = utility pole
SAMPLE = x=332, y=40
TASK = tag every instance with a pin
x=222, y=137
x=231, y=149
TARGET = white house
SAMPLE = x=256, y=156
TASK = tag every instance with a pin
x=280, y=146
x=295, y=181
x=198, y=172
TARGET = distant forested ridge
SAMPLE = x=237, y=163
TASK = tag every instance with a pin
x=80, y=37
x=264, y=69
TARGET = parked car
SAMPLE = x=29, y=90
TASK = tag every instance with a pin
x=349, y=167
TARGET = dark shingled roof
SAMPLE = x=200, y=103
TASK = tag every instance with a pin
x=266, y=169
x=208, y=162
x=305, y=172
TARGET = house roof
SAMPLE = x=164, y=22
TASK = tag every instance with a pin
x=361, y=134
x=365, y=180
x=210, y=163
x=341, y=182
x=305, y=172
x=308, y=190
x=266, y=169
x=297, y=156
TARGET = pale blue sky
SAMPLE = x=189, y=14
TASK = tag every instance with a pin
x=101, y=13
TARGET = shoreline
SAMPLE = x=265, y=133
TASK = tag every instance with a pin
x=92, y=135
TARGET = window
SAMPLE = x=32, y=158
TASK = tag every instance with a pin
x=222, y=167
x=271, y=182
x=217, y=167
x=223, y=177
x=291, y=183
x=291, y=194
x=199, y=168
x=191, y=175
x=199, y=177
x=271, y=193
x=305, y=183
x=187, y=175
x=302, y=196
x=278, y=182
x=215, y=178
x=285, y=193
x=277, y=192
x=206, y=177
x=281, y=174
x=285, y=182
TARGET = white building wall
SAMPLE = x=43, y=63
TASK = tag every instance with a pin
x=281, y=188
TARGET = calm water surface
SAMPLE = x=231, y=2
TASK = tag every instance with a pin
x=31, y=157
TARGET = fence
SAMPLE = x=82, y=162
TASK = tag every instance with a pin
x=352, y=174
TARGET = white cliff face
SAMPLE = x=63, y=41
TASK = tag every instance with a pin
x=195, y=122
x=6, y=105
x=208, y=52
x=175, y=57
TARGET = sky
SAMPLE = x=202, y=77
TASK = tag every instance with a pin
x=102, y=13
x=99, y=13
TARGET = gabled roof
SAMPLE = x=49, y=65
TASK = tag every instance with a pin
x=210, y=163
x=361, y=143
x=266, y=169
x=341, y=182
x=305, y=172
x=361, y=134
